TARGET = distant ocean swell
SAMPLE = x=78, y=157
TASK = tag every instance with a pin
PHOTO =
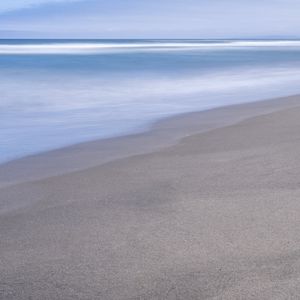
x=98, y=47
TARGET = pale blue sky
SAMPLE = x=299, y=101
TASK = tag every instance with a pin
x=7, y=5
x=149, y=18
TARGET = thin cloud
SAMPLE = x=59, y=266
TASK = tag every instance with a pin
x=12, y=5
x=157, y=18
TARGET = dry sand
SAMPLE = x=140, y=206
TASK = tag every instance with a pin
x=215, y=216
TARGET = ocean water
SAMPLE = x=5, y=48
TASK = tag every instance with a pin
x=55, y=93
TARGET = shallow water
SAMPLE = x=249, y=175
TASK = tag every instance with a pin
x=55, y=93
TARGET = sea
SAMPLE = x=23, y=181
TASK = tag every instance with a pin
x=55, y=93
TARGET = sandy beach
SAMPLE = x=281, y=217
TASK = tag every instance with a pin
x=203, y=206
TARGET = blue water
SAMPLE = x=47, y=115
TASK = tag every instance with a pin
x=55, y=93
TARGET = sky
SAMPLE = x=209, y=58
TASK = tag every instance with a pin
x=149, y=18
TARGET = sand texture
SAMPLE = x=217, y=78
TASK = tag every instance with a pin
x=214, y=216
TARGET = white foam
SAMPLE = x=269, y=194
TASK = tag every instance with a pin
x=101, y=47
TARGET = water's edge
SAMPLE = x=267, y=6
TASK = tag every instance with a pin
x=160, y=134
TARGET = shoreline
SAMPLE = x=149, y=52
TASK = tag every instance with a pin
x=215, y=215
x=162, y=133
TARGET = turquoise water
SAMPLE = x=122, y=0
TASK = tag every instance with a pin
x=55, y=93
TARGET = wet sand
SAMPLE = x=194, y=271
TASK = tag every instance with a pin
x=215, y=215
